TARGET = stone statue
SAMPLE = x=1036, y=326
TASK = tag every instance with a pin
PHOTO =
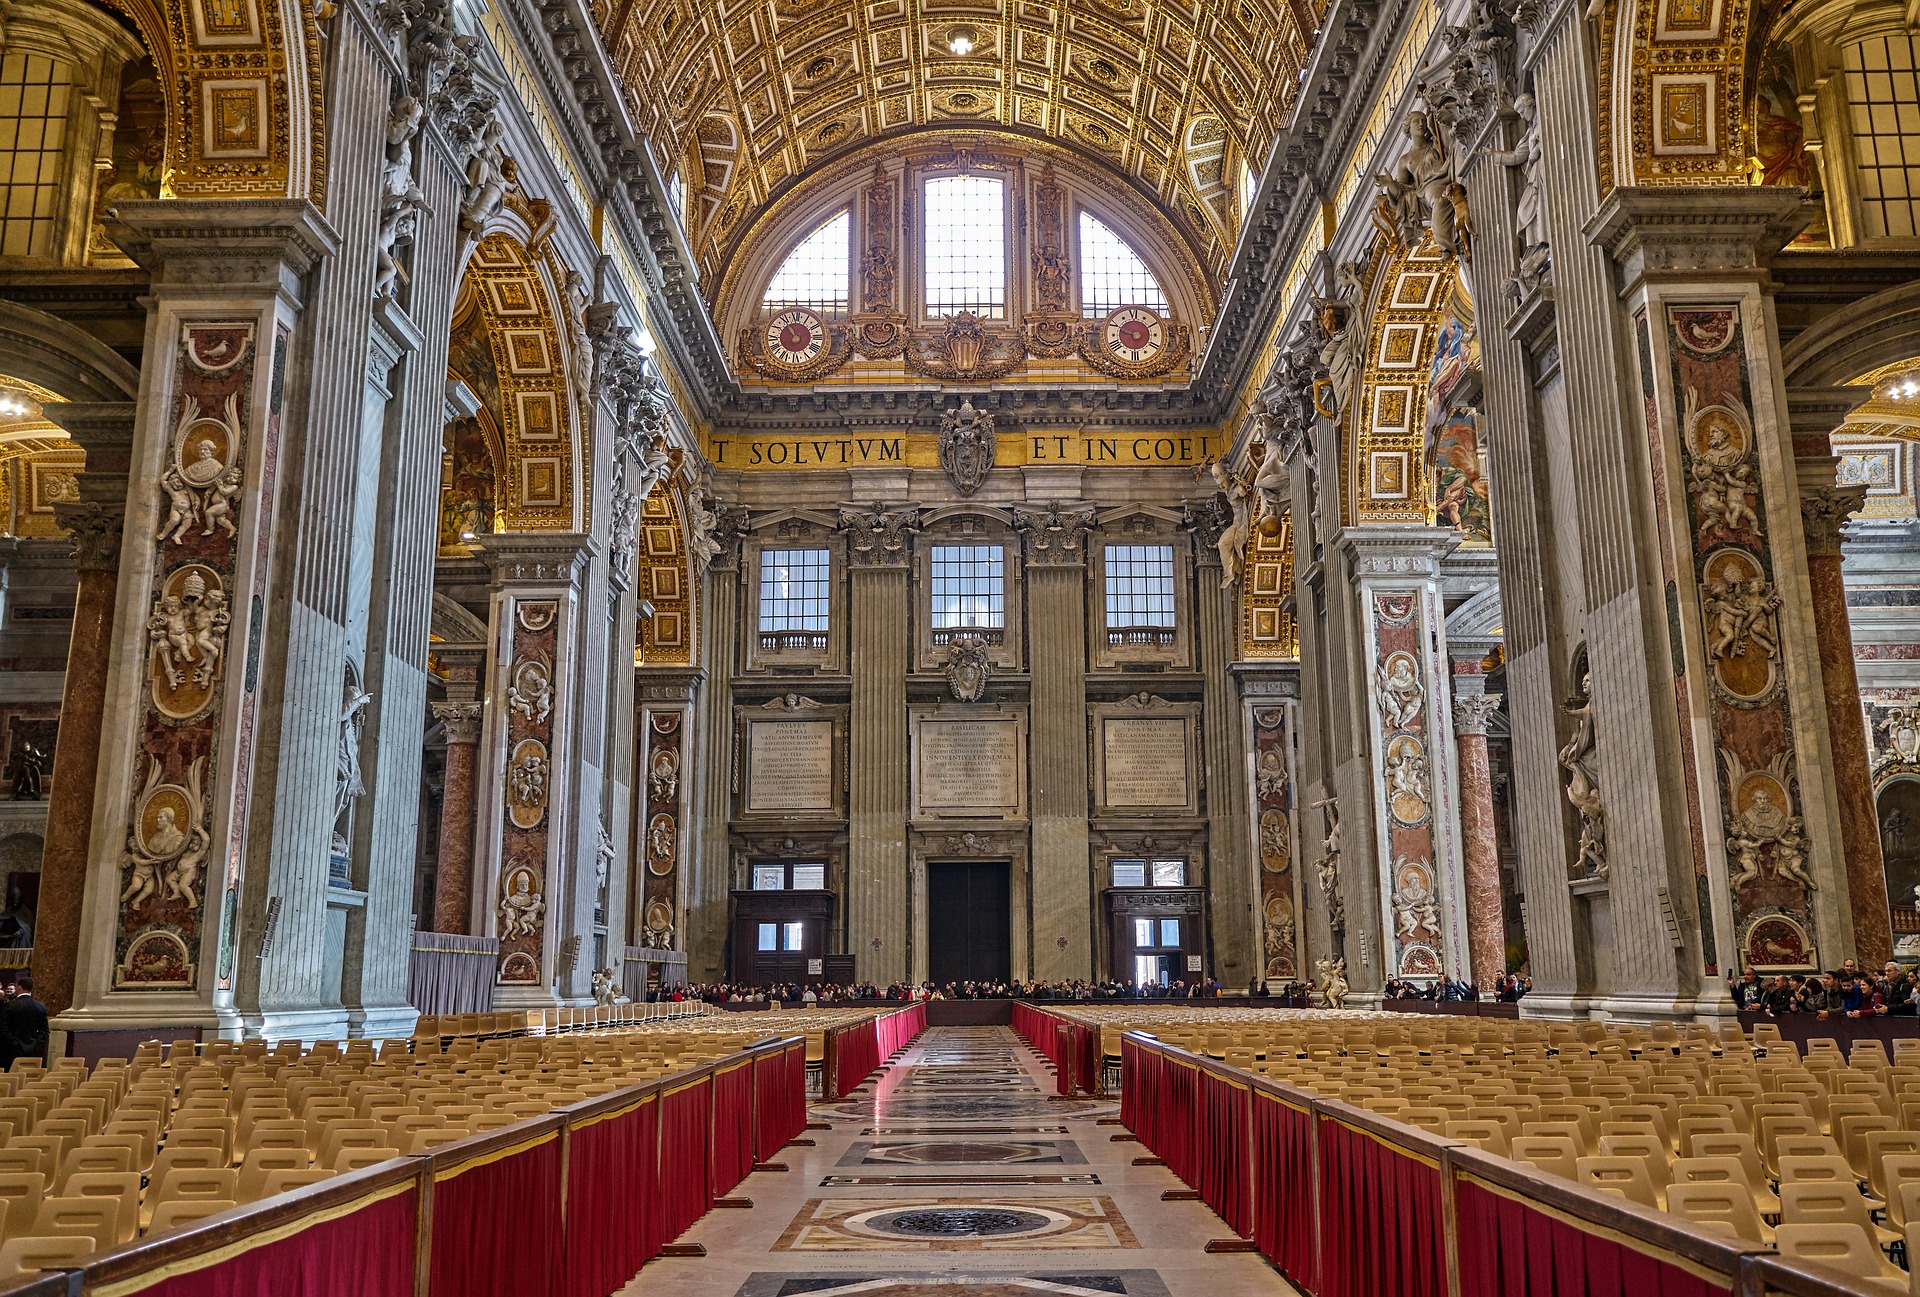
x=1406, y=769
x=579, y=296
x=1401, y=696
x=29, y=769
x=623, y=528
x=200, y=484
x=1583, y=787
x=1333, y=982
x=1416, y=196
x=603, y=854
x=703, y=523
x=520, y=906
x=486, y=180
x=1327, y=867
x=605, y=989
x=663, y=774
x=165, y=856
x=1232, y=544
x=1270, y=482
x=1529, y=213
x=531, y=690
x=347, y=785
x=966, y=447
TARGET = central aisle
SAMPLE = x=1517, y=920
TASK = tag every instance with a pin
x=954, y=1172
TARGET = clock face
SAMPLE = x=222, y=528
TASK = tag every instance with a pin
x=796, y=338
x=1134, y=335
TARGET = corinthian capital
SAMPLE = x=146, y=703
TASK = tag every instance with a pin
x=877, y=537
x=1471, y=712
x=1056, y=534
x=95, y=532
x=462, y=720
x=1824, y=510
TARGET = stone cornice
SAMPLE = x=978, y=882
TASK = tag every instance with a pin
x=1668, y=233
x=1397, y=551
x=239, y=244
x=536, y=557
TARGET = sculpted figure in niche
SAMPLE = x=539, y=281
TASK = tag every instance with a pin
x=1327, y=867
x=486, y=179
x=1739, y=617
x=528, y=780
x=347, y=785
x=1270, y=483
x=1414, y=910
x=1417, y=197
x=1583, y=788
x=663, y=774
x=520, y=907
x=531, y=693
x=1232, y=544
x=1401, y=696
x=1333, y=982
x=1529, y=213
x=603, y=854
x=605, y=989
x=1407, y=775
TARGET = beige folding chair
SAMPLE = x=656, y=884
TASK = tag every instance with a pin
x=175, y=1212
x=279, y=1182
x=251, y=1183
x=108, y=1222
x=1823, y=1202
x=1845, y=1248
x=1729, y=1170
x=1554, y=1154
x=1626, y=1176
x=23, y=1255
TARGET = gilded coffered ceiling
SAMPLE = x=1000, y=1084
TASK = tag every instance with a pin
x=743, y=98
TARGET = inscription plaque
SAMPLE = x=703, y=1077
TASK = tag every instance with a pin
x=1146, y=761
x=790, y=766
x=967, y=765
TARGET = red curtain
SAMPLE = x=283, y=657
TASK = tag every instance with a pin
x=1379, y=1218
x=496, y=1223
x=1283, y=1187
x=1219, y=1149
x=780, y=1099
x=1086, y=1053
x=368, y=1252
x=1508, y=1249
x=732, y=1126
x=857, y=1054
x=612, y=1170
x=686, y=1168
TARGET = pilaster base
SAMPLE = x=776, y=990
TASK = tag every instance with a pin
x=304, y=1025
x=382, y=1022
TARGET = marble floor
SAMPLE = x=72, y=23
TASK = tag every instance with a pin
x=954, y=1172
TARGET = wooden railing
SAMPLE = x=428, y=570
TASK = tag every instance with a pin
x=570, y=1204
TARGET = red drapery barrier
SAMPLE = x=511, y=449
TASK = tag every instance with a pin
x=1283, y=1186
x=640, y=1168
x=1347, y=1204
x=858, y=1050
x=496, y=1218
x=780, y=1099
x=733, y=1126
x=686, y=1156
x=612, y=1181
x=1510, y=1249
x=366, y=1250
x=1086, y=1058
x=1364, y=1183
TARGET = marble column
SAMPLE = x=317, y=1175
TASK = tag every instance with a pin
x=76, y=755
x=710, y=864
x=1723, y=518
x=1824, y=510
x=453, y=885
x=1480, y=846
x=879, y=623
x=186, y=715
x=1061, y=896
x=532, y=767
x=1234, y=927
x=1527, y=446
x=1413, y=777
x=105, y=431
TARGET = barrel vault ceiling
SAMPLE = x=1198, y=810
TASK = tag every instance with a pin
x=741, y=99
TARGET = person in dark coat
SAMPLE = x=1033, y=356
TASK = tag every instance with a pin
x=23, y=1024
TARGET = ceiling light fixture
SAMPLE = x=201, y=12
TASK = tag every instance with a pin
x=960, y=41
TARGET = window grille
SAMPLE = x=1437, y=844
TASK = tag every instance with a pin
x=817, y=273
x=965, y=257
x=1885, y=103
x=1112, y=275
x=968, y=587
x=1140, y=592
x=794, y=595
x=33, y=136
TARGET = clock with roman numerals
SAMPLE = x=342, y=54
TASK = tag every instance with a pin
x=1133, y=337
x=796, y=338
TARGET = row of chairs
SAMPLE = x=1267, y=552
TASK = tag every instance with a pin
x=1815, y=1154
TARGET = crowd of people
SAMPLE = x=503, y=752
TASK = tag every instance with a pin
x=827, y=993
x=1508, y=988
x=23, y=1021
x=1845, y=992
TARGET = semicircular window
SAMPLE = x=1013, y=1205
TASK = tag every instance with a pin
x=1112, y=275
x=818, y=272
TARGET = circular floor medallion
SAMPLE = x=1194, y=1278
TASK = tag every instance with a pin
x=957, y=1222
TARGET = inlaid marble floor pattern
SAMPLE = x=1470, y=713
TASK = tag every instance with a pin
x=954, y=1172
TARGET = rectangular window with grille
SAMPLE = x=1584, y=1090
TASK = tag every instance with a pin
x=968, y=586
x=965, y=264
x=33, y=136
x=1139, y=587
x=795, y=590
x=1884, y=101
